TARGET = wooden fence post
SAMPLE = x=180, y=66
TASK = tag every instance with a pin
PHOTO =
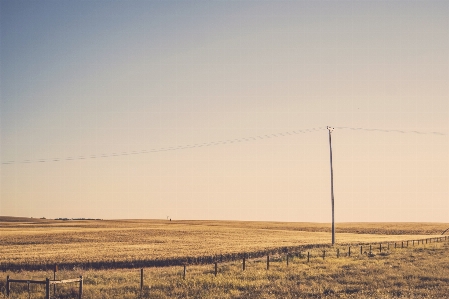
x=380, y=247
x=243, y=262
x=338, y=252
x=268, y=262
x=81, y=287
x=308, y=256
x=7, y=286
x=402, y=244
x=349, y=250
x=55, y=269
x=324, y=254
x=361, y=249
x=369, y=248
x=47, y=288
x=141, y=279
x=215, y=272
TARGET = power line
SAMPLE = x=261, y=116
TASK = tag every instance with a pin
x=394, y=131
x=170, y=148
x=213, y=143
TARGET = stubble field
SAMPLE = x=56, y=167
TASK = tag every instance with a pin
x=411, y=270
x=28, y=242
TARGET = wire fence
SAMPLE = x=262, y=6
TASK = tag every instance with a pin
x=325, y=250
x=219, y=264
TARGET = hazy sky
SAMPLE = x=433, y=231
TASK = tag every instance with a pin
x=104, y=105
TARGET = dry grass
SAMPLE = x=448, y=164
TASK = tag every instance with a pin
x=43, y=242
x=419, y=271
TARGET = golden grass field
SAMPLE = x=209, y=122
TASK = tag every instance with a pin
x=34, y=241
x=417, y=271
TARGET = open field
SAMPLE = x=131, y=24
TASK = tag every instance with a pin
x=417, y=271
x=28, y=243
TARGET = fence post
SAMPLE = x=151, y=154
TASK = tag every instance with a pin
x=394, y=245
x=324, y=254
x=215, y=272
x=369, y=248
x=243, y=262
x=349, y=250
x=380, y=247
x=268, y=262
x=184, y=273
x=141, y=279
x=338, y=252
x=81, y=287
x=402, y=244
x=308, y=256
x=7, y=286
x=47, y=288
x=407, y=243
x=55, y=269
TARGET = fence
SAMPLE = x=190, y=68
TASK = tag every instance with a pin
x=324, y=251
x=201, y=260
x=47, y=282
x=369, y=251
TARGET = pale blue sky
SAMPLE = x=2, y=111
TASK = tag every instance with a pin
x=86, y=78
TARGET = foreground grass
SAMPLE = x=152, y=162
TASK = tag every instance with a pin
x=420, y=271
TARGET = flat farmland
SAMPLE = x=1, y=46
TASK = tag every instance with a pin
x=28, y=241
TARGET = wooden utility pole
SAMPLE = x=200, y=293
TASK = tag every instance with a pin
x=332, y=185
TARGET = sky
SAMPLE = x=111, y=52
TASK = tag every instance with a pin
x=218, y=110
